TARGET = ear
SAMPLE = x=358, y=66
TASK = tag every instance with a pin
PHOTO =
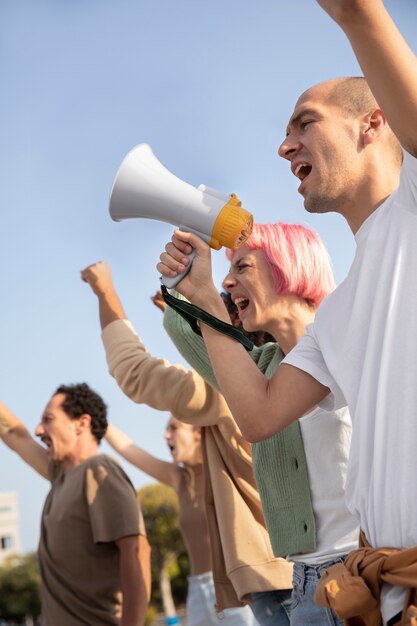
x=374, y=124
x=83, y=423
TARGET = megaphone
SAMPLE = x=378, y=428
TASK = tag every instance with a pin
x=144, y=188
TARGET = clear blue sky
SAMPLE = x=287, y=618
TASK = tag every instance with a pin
x=210, y=86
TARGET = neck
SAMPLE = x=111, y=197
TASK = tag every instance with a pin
x=82, y=452
x=290, y=324
x=196, y=459
x=377, y=187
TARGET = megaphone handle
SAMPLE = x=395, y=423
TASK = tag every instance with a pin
x=171, y=282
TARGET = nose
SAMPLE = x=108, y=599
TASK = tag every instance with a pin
x=287, y=149
x=228, y=282
x=39, y=430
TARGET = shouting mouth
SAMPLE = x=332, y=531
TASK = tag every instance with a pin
x=47, y=443
x=241, y=303
x=302, y=171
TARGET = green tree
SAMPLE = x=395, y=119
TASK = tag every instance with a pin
x=19, y=589
x=160, y=511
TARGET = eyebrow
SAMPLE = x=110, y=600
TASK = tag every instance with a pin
x=242, y=258
x=295, y=120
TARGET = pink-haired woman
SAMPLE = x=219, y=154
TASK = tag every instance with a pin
x=277, y=281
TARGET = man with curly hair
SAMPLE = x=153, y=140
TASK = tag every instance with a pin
x=93, y=552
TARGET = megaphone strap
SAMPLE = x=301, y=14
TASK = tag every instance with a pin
x=193, y=314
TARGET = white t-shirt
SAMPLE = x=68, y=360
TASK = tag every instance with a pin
x=362, y=346
x=326, y=440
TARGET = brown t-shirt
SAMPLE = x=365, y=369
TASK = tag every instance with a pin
x=88, y=508
x=192, y=519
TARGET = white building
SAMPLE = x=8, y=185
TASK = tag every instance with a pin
x=9, y=525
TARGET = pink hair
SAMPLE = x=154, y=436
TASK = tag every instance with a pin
x=299, y=261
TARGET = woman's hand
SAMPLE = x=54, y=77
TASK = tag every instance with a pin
x=198, y=283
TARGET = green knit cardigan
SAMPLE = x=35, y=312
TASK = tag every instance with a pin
x=279, y=463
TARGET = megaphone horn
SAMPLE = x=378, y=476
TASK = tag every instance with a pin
x=144, y=188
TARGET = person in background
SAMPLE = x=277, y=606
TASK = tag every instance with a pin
x=186, y=476
x=244, y=567
x=94, y=558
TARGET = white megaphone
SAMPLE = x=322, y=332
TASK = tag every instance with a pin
x=144, y=188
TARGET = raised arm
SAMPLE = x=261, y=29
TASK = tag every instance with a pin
x=162, y=471
x=289, y=394
x=17, y=437
x=388, y=63
x=142, y=377
x=98, y=276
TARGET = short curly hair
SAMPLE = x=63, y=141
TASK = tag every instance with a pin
x=79, y=399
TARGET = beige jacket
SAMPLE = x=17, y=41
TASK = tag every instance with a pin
x=353, y=588
x=243, y=561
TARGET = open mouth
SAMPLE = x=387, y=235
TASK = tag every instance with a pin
x=241, y=303
x=302, y=170
x=46, y=442
x=171, y=447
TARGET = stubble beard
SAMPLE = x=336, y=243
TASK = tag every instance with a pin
x=331, y=198
x=319, y=203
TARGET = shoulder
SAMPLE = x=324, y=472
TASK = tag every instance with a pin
x=102, y=468
x=101, y=460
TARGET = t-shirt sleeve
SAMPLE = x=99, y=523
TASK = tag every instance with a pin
x=307, y=356
x=112, y=502
x=408, y=185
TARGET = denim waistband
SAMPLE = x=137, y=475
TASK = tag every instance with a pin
x=302, y=571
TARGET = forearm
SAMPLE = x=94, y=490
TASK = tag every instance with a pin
x=135, y=593
x=17, y=437
x=11, y=428
x=110, y=308
x=162, y=471
x=98, y=276
x=388, y=64
x=118, y=440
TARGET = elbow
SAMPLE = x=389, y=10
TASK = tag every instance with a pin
x=254, y=436
x=254, y=432
x=260, y=427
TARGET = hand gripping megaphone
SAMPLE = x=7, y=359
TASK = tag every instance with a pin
x=144, y=188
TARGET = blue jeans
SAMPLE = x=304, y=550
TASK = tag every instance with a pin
x=272, y=608
x=201, y=600
x=304, y=611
